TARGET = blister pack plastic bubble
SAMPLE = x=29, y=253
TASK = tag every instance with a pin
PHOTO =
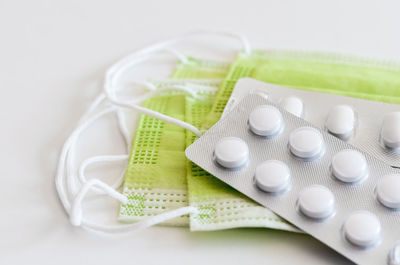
x=330, y=189
x=362, y=123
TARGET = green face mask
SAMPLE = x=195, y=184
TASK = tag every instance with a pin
x=222, y=207
x=155, y=179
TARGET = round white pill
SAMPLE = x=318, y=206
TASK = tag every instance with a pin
x=316, y=201
x=306, y=143
x=341, y=121
x=390, y=131
x=362, y=228
x=272, y=176
x=349, y=165
x=394, y=255
x=231, y=152
x=388, y=191
x=293, y=105
x=265, y=120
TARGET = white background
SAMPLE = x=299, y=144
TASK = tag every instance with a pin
x=51, y=53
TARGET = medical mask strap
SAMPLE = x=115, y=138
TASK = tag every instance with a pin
x=124, y=63
x=72, y=185
x=189, y=88
x=121, y=114
x=115, y=71
x=110, y=91
x=75, y=210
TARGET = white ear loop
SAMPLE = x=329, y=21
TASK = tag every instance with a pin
x=102, y=159
x=75, y=210
x=65, y=194
x=112, y=97
x=124, y=63
x=146, y=223
x=115, y=71
x=181, y=57
x=125, y=132
x=67, y=155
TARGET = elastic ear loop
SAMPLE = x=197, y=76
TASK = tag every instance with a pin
x=121, y=116
x=69, y=152
x=118, y=68
x=72, y=185
x=75, y=210
x=102, y=159
x=124, y=63
x=189, y=88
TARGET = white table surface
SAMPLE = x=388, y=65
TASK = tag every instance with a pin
x=51, y=53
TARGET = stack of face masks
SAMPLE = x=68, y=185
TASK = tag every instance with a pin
x=160, y=185
x=159, y=180
x=156, y=173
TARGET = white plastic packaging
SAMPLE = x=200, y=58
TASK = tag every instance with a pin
x=330, y=189
x=372, y=126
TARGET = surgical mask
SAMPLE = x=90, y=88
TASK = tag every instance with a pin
x=73, y=187
x=328, y=73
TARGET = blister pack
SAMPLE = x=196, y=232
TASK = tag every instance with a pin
x=330, y=189
x=372, y=126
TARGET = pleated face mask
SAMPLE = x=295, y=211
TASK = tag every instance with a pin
x=155, y=179
x=222, y=207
